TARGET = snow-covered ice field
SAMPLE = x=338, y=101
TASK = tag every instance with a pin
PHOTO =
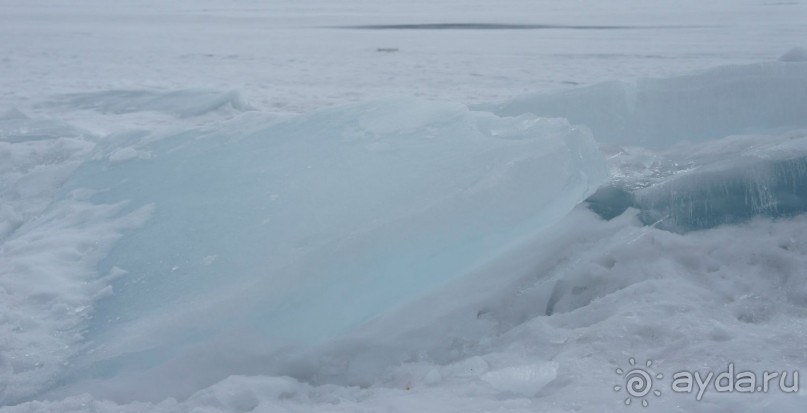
x=291, y=56
x=388, y=206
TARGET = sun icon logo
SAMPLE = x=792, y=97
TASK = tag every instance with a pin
x=638, y=382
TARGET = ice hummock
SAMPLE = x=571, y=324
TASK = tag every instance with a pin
x=658, y=113
x=695, y=151
x=726, y=181
x=292, y=232
x=535, y=329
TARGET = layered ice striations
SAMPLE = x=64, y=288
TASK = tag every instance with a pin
x=295, y=231
x=727, y=181
x=727, y=194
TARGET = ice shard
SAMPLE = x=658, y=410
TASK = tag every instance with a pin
x=296, y=230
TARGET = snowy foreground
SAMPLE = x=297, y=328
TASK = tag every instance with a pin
x=182, y=246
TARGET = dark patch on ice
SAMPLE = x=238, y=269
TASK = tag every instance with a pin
x=796, y=54
x=610, y=201
x=13, y=114
x=561, y=288
x=504, y=26
x=608, y=56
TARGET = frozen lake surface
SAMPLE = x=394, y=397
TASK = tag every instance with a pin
x=292, y=56
x=364, y=206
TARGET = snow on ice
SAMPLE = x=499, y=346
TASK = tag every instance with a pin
x=181, y=232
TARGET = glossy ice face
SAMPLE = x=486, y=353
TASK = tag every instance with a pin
x=298, y=230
